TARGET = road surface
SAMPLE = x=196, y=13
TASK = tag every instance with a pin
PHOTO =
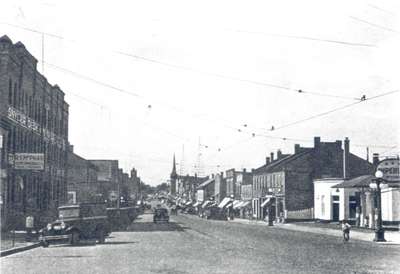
x=189, y=244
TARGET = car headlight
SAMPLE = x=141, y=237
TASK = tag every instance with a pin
x=48, y=226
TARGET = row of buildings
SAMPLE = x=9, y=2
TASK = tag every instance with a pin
x=325, y=182
x=38, y=168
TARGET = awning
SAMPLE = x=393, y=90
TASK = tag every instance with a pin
x=244, y=204
x=196, y=203
x=224, y=202
x=267, y=202
x=206, y=203
x=188, y=203
x=237, y=205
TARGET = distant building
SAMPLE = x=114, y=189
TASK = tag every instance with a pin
x=220, y=187
x=206, y=190
x=34, y=133
x=184, y=186
x=82, y=180
x=283, y=187
x=108, y=177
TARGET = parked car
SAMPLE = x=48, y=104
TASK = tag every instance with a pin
x=76, y=222
x=160, y=215
x=216, y=213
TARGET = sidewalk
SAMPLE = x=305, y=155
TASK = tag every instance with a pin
x=8, y=245
x=392, y=237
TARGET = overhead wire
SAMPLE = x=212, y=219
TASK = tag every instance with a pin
x=334, y=110
x=374, y=25
x=307, y=38
x=249, y=81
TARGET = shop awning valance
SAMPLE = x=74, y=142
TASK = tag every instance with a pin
x=224, y=202
x=267, y=202
x=206, y=203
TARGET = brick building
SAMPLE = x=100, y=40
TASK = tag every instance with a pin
x=284, y=186
x=34, y=129
x=108, y=177
x=82, y=184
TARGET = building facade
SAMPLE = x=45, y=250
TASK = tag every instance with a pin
x=82, y=184
x=283, y=187
x=34, y=126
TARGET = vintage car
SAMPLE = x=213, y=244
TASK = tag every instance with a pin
x=160, y=215
x=76, y=222
x=216, y=213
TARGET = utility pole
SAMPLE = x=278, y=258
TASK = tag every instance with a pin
x=199, y=167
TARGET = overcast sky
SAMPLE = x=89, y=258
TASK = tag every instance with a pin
x=166, y=74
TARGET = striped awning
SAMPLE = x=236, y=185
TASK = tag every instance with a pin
x=224, y=202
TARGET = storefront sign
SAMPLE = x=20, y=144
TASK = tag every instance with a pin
x=390, y=169
x=27, y=161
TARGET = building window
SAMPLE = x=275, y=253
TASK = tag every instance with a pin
x=352, y=206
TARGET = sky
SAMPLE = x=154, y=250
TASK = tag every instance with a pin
x=207, y=80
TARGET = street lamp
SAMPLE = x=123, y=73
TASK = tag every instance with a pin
x=379, y=231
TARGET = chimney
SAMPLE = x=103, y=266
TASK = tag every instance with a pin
x=212, y=175
x=222, y=174
x=279, y=154
x=375, y=159
x=272, y=156
x=346, y=154
x=253, y=170
x=244, y=170
x=296, y=148
x=267, y=161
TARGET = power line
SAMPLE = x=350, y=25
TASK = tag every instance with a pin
x=334, y=110
x=307, y=38
x=213, y=120
x=374, y=25
x=180, y=67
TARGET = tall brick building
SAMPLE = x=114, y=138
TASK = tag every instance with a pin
x=283, y=186
x=34, y=129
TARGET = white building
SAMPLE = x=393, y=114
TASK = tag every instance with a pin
x=338, y=199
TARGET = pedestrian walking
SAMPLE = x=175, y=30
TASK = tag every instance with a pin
x=346, y=231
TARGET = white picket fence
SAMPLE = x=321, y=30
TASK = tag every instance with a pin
x=307, y=213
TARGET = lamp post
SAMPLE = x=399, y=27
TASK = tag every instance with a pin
x=379, y=231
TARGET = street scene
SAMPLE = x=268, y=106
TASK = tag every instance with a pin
x=189, y=244
x=199, y=137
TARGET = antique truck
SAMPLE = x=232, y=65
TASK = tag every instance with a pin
x=76, y=222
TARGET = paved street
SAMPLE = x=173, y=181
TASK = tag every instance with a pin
x=193, y=245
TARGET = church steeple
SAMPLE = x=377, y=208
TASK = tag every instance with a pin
x=173, y=177
x=173, y=173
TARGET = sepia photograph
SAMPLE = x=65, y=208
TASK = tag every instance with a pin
x=183, y=136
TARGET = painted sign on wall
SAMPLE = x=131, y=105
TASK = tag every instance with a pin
x=28, y=161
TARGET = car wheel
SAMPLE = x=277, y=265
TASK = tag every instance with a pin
x=75, y=237
x=44, y=244
x=101, y=237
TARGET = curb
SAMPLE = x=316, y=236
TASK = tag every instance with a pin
x=18, y=249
